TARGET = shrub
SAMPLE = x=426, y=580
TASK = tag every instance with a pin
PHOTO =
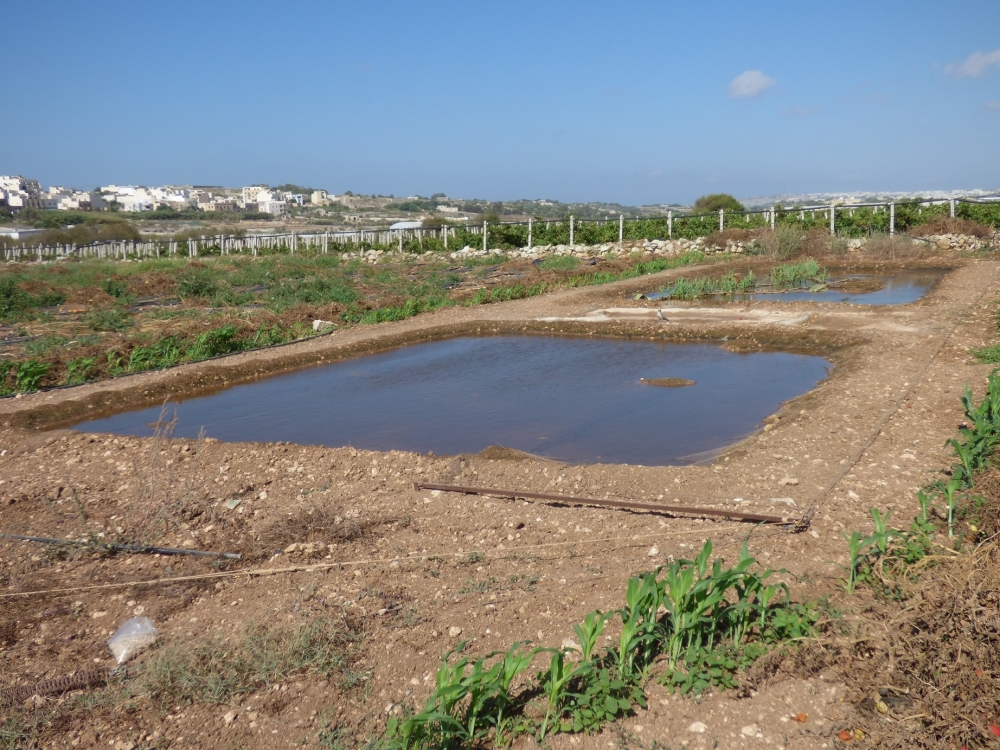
x=716, y=202
x=781, y=242
x=893, y=247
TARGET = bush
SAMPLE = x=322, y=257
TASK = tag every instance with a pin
x=893, y=247
x=781, y=242
x=715, y=202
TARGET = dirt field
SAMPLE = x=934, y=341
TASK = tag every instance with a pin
x=405, y=574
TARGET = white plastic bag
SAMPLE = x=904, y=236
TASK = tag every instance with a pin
x=131, y=638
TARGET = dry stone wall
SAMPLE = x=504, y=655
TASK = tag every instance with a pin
x=946, y=242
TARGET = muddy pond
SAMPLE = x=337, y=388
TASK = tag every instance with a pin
x=899, y=288
x=574, y=399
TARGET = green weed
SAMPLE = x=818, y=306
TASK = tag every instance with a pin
x=197, y=283
x=108, y=319
x=559, y=263
x=22, y=377
x=80, y=370
x=793, y=274
x=217, y=670
x=14, y=735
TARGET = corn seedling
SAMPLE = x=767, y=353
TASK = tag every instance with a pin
x=950, y=490
x=856, y=546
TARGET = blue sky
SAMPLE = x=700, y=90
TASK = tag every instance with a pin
x=631, y=102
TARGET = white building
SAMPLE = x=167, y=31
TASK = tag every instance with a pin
x=319, y=198
x=270, y=203
x=250, y=193
x=21, y=192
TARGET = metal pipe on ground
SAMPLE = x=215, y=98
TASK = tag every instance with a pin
x=623, y=505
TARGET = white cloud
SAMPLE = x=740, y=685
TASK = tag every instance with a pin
x=991, y=107
x=976, y=65
x=750, y=83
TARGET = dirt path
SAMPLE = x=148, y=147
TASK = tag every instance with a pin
x=423, y=570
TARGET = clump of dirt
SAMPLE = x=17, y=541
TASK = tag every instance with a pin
x=499, y=453
x=719, y=239
x=667, y=382
x=948, y=225
x=311, y=524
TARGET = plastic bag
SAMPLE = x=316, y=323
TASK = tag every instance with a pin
x=131, y=638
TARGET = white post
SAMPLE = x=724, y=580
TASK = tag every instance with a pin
x=400, y=240
x=833, y=212
x=326, y=241
x=485, y=232
x=529, y=233
x=445, y=228
x=772, y=217
x=892, y=219
x=952, y=201
x=670, y=225
x=621, y=228
x=722, y=219
x=571, y=230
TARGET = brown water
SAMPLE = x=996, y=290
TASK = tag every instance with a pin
x=900, y=288
x=575, y=399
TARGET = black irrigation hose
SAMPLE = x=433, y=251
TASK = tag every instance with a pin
x=140, y=548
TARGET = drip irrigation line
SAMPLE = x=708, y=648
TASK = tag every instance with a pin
x=138, y=548
x=618, y=504
x=877, y=430
x=322, y=567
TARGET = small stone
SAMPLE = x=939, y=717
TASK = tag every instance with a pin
x=653, y=551
x=454, y=631
x=698, y=727
x=789, y=481
x=750, y=730
x=229, y=718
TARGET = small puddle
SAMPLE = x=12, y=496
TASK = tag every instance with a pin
x=577, y=400
x=862, y=289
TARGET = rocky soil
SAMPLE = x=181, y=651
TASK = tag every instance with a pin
x=343, y=534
